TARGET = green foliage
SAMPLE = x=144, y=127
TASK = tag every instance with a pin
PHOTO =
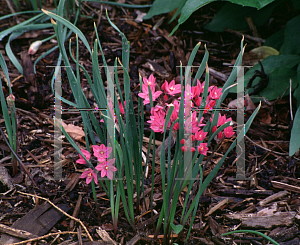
x=254, y=232
x=295, y=134
x=186, y=7
x=232, y=16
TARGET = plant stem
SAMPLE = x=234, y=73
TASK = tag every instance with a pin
x=95, y=199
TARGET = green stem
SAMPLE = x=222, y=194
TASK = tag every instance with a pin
x=95, y=199
x=254, y=232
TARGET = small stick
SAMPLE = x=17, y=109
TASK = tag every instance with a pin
x=59, y=209
x=22, y=164
x=45, y=236
x=16, y=232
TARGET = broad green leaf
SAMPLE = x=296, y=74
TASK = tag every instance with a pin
x=295, y=134
x=190, y=7
x=163, y=6
x=271, y=63
x=276, y=40
x=232, y=16
x=291, y=37
x=252, y=3
x=296, y=4
x=279, y=83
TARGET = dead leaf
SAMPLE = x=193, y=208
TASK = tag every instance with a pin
x=75, y=132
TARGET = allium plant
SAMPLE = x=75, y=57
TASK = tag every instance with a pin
x=182, y=119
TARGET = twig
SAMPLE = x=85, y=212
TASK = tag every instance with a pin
x=66, y=214
x=275, y=152
x=45, y=236
x=16, y=232
x=291, y=109
x=22, y=164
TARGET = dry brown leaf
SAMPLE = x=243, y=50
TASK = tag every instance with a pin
x=75, y=132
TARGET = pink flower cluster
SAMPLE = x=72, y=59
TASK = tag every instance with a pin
x=191, y=125
x=106, y=167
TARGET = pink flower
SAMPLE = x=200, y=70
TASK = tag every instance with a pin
x=200, y=135
x=121, y=107
x=191, y=123
x=184, y=148
x=214, y=129
x=192, y=149
x=89, y=175
x=101, y=152
x=157, y=120
x=171, y=88
x=215, y=93
x=220, y=135
x=175, y=112
x=107, y=168
x=197, y=101
x=145, y=94
x=228, y=132
x=200, y=86
x=81, y=159
x=202, y=148
x=150, y=81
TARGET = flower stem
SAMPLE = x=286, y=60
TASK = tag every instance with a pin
x=95, y=199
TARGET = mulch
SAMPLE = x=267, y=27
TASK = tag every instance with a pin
x=269, y=202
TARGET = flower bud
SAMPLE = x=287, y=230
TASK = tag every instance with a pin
x=34, y=47
x=10, y=100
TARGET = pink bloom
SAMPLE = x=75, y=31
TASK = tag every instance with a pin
x=101, y=152
x=200, y=135
x=145, y=94
x=89, y=175
x=150, y=81
x=221, y=120
x=184, y=148
x=202, y=148
x=215, y=93
x=192, y=149
x=191, y=123
x=175, y=112
x=220, y=135
x=157, y=120
x=107, y=168
x=200, y=123
x=214, y=129
x=176, y=126
x=182, y=141
x=192, y=138
x=171, y=88
x=200, y=86
x=195, y=92
x=228, y=132
x=121, y=107
x=165, y=97
x=81, y=159
x=197, y=101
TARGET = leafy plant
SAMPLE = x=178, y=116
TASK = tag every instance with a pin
x=127, y=150
x=186, y=7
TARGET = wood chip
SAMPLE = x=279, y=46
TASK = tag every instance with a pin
x=105, y=236
x=285, y=186
x=272, y=198
x=219, y=205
